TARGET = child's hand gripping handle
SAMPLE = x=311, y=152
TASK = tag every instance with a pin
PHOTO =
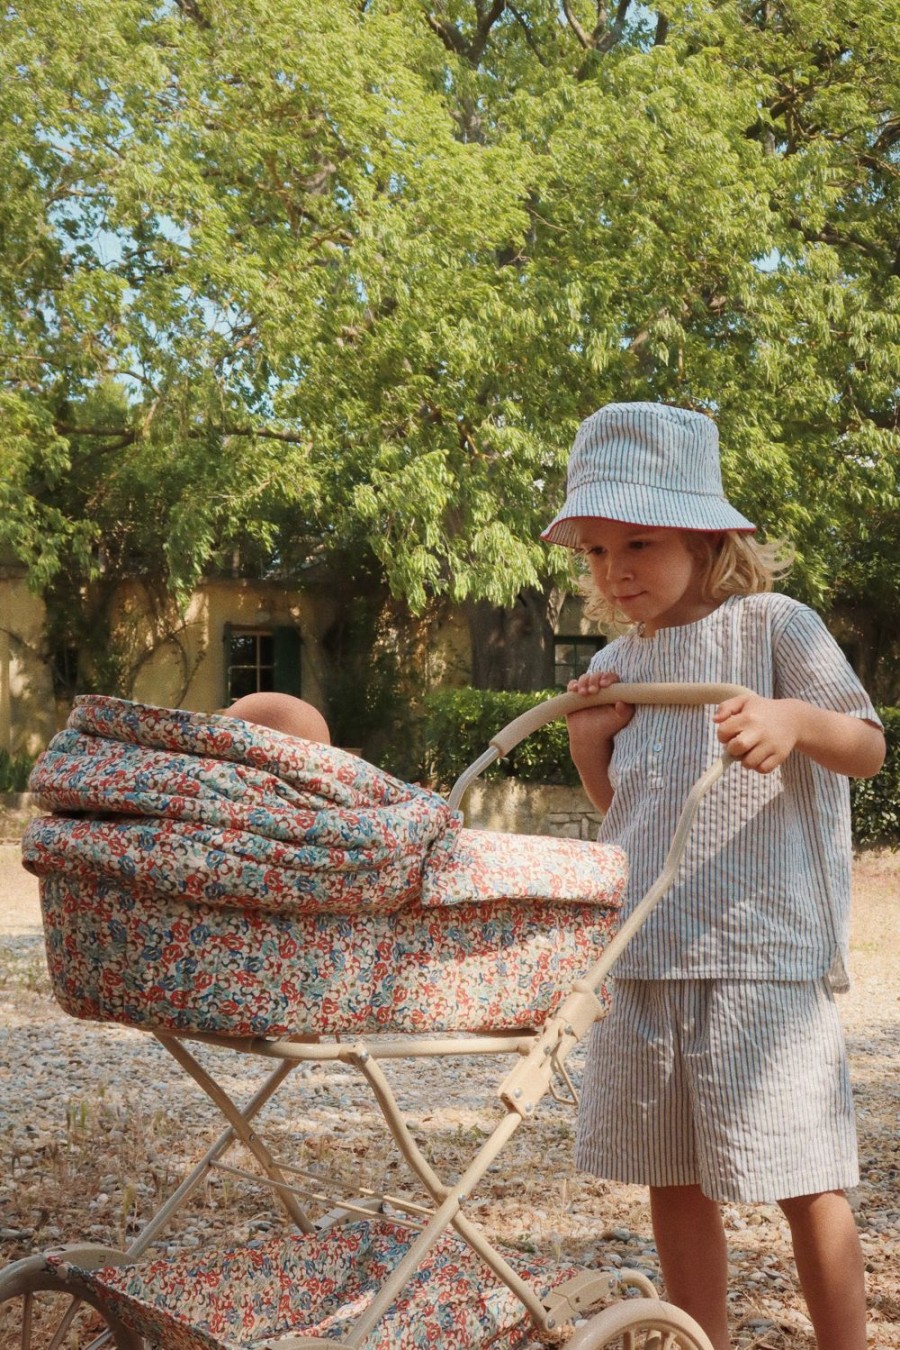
x=551, y=708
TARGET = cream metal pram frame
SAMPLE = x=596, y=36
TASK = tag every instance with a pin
x=586, y=1309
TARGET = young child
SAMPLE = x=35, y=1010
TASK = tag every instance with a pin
x=720, y=1074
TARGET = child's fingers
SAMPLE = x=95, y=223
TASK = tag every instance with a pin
x=738, y=741
x=624, y=712
x=592, y=682
x=730, y=708
x=760, y=760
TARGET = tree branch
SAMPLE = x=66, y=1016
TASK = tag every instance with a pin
x=581, y=35
x=889, y=135
x=191, y=10
x=607, y=35
x=829, y=234
x=529, y=36
x=483, y=32
x=451, y=38
x=121, y=439
x=124, y=438
x=288, y=437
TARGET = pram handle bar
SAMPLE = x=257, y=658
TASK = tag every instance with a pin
x=564, y=704
x=547, y=711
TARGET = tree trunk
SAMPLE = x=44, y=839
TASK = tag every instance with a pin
x=512, y=648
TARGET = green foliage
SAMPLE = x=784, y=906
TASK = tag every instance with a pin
x=459, y=724
x=284, y=280
x=876, y=801
x=14, y=771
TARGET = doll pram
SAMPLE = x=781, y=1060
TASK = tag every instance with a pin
x=206, y=880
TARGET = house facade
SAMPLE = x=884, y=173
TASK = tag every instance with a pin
x=236, y=636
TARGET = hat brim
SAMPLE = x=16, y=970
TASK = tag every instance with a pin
x=638, y=504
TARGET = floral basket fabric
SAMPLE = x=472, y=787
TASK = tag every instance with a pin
x=142, y=960
x=258, y=884
x=478, y=865
x=249, y=1298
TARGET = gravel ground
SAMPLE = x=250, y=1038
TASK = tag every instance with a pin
x=97, y=1124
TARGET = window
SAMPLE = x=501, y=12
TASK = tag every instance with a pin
x=261, y=659
x=572, y=656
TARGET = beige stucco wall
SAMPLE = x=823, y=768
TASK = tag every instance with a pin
x=186, y=667
x=173, y=661
x=179, y=660
x=28, y=713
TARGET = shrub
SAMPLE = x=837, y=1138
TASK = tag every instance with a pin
x=876, y=801
x=459, y=724
x=14, y=771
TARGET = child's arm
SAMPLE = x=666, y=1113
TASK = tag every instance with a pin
x=762, y=732
x=591, y=734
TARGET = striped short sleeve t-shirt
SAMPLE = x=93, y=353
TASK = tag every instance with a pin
x=763, y=891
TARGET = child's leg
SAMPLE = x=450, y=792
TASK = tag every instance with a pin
x=830, y=1265
x=690, y=1240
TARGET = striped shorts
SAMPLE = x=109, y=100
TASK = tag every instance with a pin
x=738, y=1086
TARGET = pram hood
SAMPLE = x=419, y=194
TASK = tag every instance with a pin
x=214, y=809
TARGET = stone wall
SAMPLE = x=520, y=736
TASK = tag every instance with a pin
x=530, y=808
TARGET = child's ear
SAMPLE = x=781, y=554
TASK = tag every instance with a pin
x=705, y=544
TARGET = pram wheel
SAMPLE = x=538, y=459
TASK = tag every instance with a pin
x=43, y=1309
x=640, y=1324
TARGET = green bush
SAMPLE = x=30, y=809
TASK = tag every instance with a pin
x=459, y=724
x=876, y=801
x=14, y=771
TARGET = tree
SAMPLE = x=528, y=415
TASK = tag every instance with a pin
x=303, y=281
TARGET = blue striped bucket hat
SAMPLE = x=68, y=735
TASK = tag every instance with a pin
x=645, y=464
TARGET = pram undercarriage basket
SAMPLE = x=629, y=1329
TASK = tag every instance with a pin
x=210, y=882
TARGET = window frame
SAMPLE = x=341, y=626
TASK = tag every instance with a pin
x=284, y=668
x=596, y=641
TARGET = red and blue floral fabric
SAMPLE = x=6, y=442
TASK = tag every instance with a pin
x=254, y=1296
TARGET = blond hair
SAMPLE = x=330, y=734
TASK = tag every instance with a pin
x=734, y=563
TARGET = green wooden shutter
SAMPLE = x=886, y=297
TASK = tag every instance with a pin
x=226, y=664
x=286, y=645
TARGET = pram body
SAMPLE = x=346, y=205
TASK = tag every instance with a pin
x=206, y=880
x=205, y=875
